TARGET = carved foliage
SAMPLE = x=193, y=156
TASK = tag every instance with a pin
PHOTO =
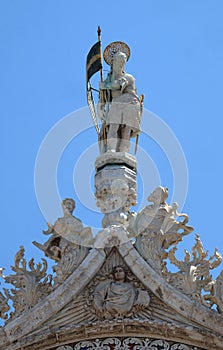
x=150, y=246
x=194, y=271
x=30, y=286
x=4, y=307
x=71, y=257
x=215, y=296
x=67, y=255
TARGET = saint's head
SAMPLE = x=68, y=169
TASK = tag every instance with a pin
x=68, y=205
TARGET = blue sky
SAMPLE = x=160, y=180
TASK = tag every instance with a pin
x=177, y=60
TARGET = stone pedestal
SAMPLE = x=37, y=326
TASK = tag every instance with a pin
x=115, y=186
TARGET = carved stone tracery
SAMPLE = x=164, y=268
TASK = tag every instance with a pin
x=132, y=343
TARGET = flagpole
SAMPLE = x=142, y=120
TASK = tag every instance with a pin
x=102, y=96
x=93, y=65
x=99, y=39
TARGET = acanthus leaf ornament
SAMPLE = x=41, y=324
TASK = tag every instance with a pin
x=194, y=275
x=31, y=283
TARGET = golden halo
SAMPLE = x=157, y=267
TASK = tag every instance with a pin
x=113, y=48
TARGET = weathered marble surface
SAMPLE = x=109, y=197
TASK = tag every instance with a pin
x=68, y=244
x=116, y=158
x=127, y=344
x=117, y=296
x=117, y=289
x=121, y=110
x=150, y=298
x=56, y=300
x=115, y=187
x=157, y=227
x=67, y=228
x=30, y=284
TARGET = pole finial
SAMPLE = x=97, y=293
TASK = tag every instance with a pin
x=99, y=33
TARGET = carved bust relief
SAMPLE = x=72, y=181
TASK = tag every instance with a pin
x=117, y=297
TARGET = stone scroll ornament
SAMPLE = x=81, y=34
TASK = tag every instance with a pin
x=68, y=244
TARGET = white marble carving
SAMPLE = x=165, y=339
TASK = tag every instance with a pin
x=131, y=343
x=71, y=257
x=115, y=190
x=4, y=307
x=156, y=228
x=121, y=110
x=67, y=227
x=69, y=242
x=114, y=235
x=116, y=297
x=30, y=285
x=215, y=296
x=194, y=271
x=159, y=216
x=115, y=292
x=116, y=158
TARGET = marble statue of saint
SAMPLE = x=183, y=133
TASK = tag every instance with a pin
x=70, y=227
x=67, y=230
x=122, y=110
x=116, y=297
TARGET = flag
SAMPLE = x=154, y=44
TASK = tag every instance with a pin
x=94, y=60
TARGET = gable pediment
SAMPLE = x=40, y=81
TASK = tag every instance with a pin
x=145, y=303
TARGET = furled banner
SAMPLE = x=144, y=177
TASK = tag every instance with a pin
x=94, y=60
